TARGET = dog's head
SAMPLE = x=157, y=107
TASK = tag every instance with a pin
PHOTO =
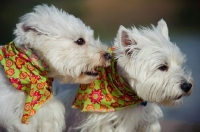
x=63, y=42
x=153, y=65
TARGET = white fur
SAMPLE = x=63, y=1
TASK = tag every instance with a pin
x=140, y=55
x=51, y=34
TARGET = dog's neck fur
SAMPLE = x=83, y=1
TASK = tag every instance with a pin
x=126, y=77
x=53, y=70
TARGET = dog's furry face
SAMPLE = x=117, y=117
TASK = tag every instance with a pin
x=152, y=65
x=63, y=42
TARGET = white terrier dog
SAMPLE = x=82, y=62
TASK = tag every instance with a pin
x=49, y=44
x=147, y=70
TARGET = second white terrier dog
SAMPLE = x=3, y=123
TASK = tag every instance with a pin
x=49, y=44
x=150, y=70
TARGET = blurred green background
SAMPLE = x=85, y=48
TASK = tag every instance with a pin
x=105, y=17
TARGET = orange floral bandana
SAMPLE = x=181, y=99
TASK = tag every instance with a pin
x=29, y=74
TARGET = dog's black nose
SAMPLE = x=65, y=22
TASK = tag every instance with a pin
x=186, y=87
x=107, y=56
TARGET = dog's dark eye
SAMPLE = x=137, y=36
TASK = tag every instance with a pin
x=80, y=41
x=163, y=68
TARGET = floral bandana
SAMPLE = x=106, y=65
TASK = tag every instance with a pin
x=108, y=93
x=29, y=74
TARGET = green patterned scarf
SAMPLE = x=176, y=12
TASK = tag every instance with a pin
x=108, y=93
x=29, y=74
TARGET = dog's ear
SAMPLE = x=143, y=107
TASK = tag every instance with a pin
x=162, y=26
x=23, y=28
x=19, y=28
x=125, y=40
x=124, y=37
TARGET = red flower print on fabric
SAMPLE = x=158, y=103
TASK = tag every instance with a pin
x=24, y=57
x=11, y=53
x=9, y=63
x=83, y=87
x=110, y=89
x=103, y=107
x=27, y=106
x=1, y=57
x=90, y=107
x=42, y=102
x=115, y=105
x=109, y=92
x=102, y=85
x=36, y=96
x=41, y=85
x=43, y=73
x=34, y=78
x=16, y=82
x=127, y=103
x=19, y=62
x=80, y=96
x=126, y=98
x=31, y=68
x=96, y=96
x=6, y=54
x=10, y=72
x=31, y=92
x=85, y=96
x=47, y=93
x=25, y=118
x=32, y=112
x=109, y=97
x=25, y=71
x=92, y=85
x=23, y=75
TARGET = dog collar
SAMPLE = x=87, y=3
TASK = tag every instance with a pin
x=29, y=74
x=108, y=93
